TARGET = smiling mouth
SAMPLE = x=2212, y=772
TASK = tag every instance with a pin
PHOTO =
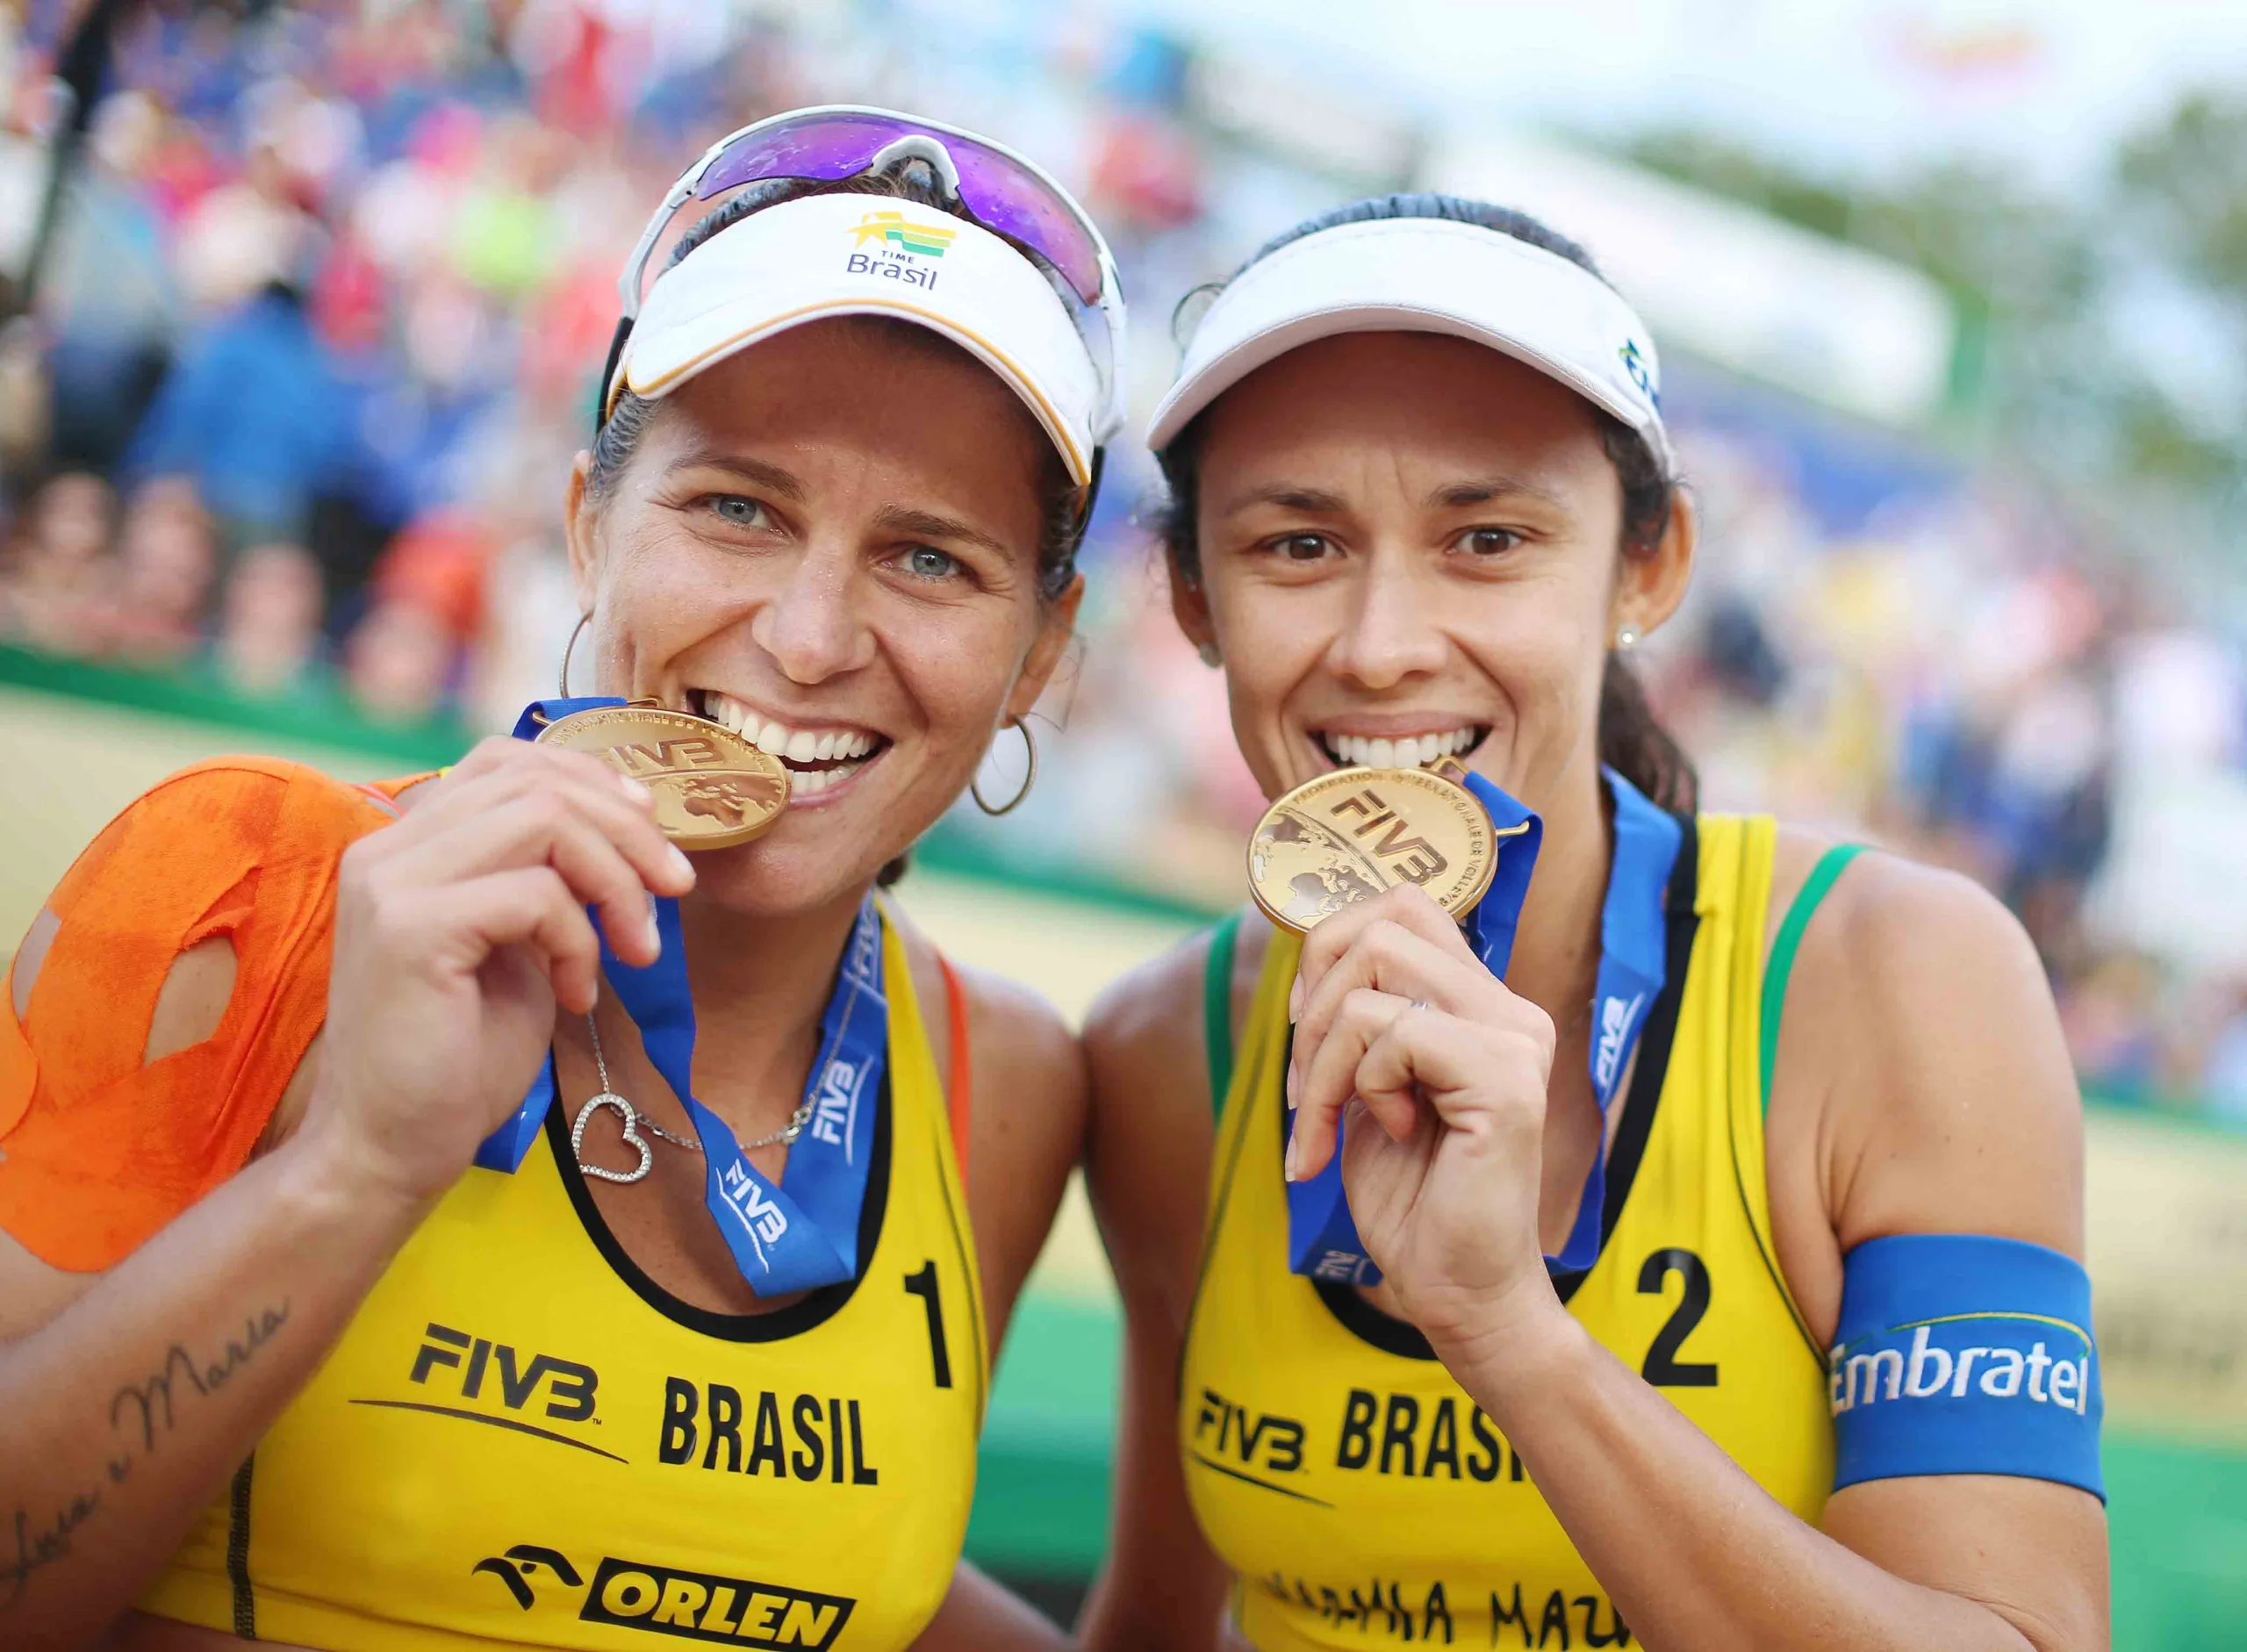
x=1409, y=751
x=817, y=758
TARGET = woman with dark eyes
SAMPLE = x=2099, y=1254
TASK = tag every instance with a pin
x=1702, y=1275
x=699, y=1345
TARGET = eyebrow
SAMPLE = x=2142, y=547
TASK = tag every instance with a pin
x=769, y=477
x=1289, y=497
x=1482, y=491
x=918, y=524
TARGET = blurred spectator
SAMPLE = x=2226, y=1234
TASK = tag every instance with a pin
x=399, y=662
x=257, y=417
x=54, y=586
x=438, y=564
x=167, y=563
x=118, y=303
x=269, y=627
x=245, y=235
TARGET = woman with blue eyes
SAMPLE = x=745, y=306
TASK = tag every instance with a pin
x=437, y=1214
x=1683, y=1252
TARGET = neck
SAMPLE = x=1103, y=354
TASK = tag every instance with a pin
x=1556, y=945
x=760, y=986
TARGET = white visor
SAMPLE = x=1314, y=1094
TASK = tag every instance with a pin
x=868, y=254
x=1424, y=275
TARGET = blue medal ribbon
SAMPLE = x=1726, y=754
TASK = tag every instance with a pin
x=1323, y=1241
x=802, y=1233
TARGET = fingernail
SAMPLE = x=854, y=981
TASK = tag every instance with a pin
x=1288, y=1164
x=1295, y=1001
x=680, y=863
x=1294, y=1078
x=655, y=931
x=634, y=790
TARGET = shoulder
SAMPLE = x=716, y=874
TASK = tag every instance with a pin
x=1146, y=1035
x=1020, y=1049
x=1022, y=1045
x=1920, y=1024
x=231, y=806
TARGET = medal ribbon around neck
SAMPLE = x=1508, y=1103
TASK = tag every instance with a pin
x=802, y=1233
x=1323, y=1241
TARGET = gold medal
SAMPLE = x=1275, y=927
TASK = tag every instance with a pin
x=712, y=788
x=1347, y=835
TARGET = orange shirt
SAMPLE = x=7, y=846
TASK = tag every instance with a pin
x=97, y=1150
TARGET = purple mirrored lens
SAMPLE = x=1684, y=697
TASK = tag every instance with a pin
x=1004, y=195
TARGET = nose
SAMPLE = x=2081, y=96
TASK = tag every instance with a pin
x=1391, y=635
x=811, y=625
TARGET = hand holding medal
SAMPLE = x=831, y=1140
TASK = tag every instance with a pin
x=460, y=929
x=1401, y=1003
x=712, y=789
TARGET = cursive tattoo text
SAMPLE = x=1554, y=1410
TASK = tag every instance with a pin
x=205, y=1376
x=47, y=1545
x=40, y=1541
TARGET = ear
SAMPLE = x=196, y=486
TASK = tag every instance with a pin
x=1189, y=606
x=1057, y=625
x=580, y=518
x=1651, y=586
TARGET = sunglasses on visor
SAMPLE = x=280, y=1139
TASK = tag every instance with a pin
x=1006, y=192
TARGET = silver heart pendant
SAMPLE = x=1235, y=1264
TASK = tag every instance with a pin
x=632, y=1138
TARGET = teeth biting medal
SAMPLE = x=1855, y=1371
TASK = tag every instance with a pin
x=1346, y=836
x=712, y=788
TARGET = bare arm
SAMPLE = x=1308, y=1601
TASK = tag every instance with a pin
x=979, y=1614
x=1026, y=1130
x=1147, y=1165
x=1026, y=1126
x=1944, y=1104
x=121, y=1416
x=128, y=1399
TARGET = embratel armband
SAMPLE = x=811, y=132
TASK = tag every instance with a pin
x=1961, y=1353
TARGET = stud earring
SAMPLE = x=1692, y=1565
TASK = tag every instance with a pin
x=1210, y=656
x=1627, y=638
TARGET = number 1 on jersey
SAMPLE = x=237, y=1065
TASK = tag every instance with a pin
x=923, y=1285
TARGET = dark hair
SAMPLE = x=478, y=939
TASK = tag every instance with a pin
x=1631, y=740
x=1062, y=507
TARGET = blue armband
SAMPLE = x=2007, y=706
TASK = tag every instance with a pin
x=1960, y=1353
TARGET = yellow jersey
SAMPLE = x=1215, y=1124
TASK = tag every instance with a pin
x=521, y=1439
x=1358, y=1493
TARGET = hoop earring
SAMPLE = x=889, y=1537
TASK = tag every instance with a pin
x=1029, y=779
x=576, y=631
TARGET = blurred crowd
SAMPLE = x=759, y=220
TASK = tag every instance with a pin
x=296, y=404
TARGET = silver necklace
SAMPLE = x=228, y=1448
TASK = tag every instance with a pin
x=633, y=1118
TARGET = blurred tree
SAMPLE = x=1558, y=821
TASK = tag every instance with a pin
x=2186, y=181
x=2040, y=282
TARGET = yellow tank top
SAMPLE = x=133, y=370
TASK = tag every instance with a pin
x=523, y=1441
x=1358, y=1493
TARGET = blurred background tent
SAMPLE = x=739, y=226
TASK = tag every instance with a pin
x=1952, y=301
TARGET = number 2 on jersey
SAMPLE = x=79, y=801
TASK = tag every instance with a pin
x=1662, y=1367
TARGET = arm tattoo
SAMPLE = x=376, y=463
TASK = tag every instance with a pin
x=41, y=1540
